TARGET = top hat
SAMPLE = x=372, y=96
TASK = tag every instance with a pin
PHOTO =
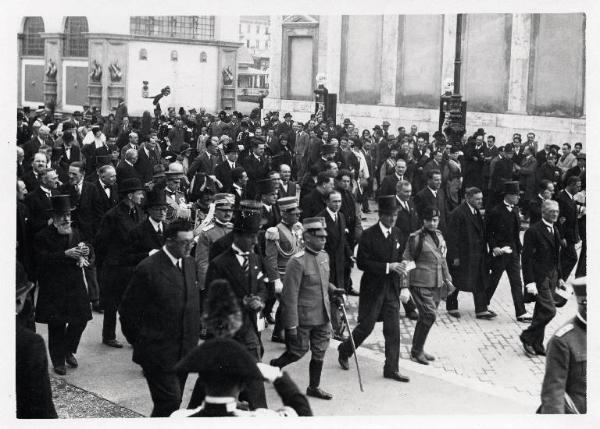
x=220, y=359
x=580, y=288
x=314, y=224
x=267, y=186
x=248, y=223
x=103, y=160
x=287, y=204
x=130, y=185
x=155, y=197
x=224, y=201
x=60, y=204
x=68, y=137
x=387, y=204
x=67, y=126
x=511, y=187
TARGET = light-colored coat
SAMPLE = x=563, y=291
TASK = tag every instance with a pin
x=431, y=268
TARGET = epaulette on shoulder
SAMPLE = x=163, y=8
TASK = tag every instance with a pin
x=208, y=227
x=300, y=253
x=563, y=330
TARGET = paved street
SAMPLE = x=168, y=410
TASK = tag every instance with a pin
x=477, y=362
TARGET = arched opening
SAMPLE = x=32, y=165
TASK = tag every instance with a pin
x=76, y=44
x=33, y=44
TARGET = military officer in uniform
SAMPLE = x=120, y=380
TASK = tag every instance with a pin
x=564, y=387
x=305, y=301
x=281, y=243
x=177, y=207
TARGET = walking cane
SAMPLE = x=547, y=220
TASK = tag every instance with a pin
x=345, y=317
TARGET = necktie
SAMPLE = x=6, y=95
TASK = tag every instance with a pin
x=178, y=264
x=160, y=231
x=244, y=255
x=132, y=214
x=550, y=230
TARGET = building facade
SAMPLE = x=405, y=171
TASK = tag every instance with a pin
x=255, y=34
x=519, y=72
x=76, y=61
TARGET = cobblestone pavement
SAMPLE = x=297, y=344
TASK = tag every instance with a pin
x=485, y=350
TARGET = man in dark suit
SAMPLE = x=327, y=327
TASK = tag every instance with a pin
x=239, y=265
x=316, y=200
x=388, y=185
x=546, y=191
x=379, y=257
x=224, y=169
x=256, y=165
x=38, y=201
x=502, y=235
x=239, y=179
x=287, y=187
x=148, y=157
x=338, y=251
x=105, y=194
x=160, y=316
x=467, y=253
x=432, y=196
x=542, y=274
x=126, y=168
x=474, y=161
x=32, y=177
x=111, y=246
x=568, y=225
x=502, y=173
x=207, y=162
x=64, y=155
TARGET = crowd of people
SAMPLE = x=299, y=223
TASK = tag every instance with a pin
x=187, y=225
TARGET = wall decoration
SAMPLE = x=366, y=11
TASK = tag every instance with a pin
x=203, y=57
x=173, y=55
x=227, y=76
x=143, y=54
x=116, y=74
x=145, y=93
x=96, y=73
x=51, y=70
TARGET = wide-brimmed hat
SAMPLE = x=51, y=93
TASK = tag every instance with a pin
x=158, y=171
x=130, y=185
x=175, y=171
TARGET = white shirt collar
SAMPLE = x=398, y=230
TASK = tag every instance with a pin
x=46, y=190
x=472, y=208
x=569, y=194
x=548, y=224
x=386, y=231
x=332, y=214
x=581, y=319
x=155, y=224
x=173, y=259
x=433, y=191
x=129, y=163
x=219, y=400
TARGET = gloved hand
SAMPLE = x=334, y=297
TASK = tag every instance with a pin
x=278, y=284
x=269, y=373
x=531, y=288
x=404, y=295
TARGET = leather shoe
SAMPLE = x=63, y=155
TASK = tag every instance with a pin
x=396, y=376
x=277, y=339
x=493, y=313
x=339, y=337
x=352, y=292
x=488, y=315
x=429, y=357
x=413, y=315
x=71, y=361
x=317, y=392
x=419, y=358
x=525, y=318
x=454, y=313
x=539, y=350
x=343, y=361
x=60, y=370
x=529, y=350
x=113, y=343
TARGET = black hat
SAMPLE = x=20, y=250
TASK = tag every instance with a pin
x=220, y=359
x=511, y=187
x=579, y=287
x=222, y=315
x=387, y=204
x=287, y=115
x=231, y=147
x=480, y=132
x=131, y=185
x=26, y=109
x=158, y=171
x=155, y=197
x=509, y=147
x=347, y=121
x=61, y=204
x=327, y=149
x=266, y=186
x=256, y=141
x=248, y=223
x=103, y=160
x=67, y=137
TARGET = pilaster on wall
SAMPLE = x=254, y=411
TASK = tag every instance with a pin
x=448, y=48
x=276, y=55
x=333, y=33
x=520, y=50
x=389, y=60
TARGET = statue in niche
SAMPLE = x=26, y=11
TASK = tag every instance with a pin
x=96, y=73
x=51, y=70
x=115, y=71
x=227, y=76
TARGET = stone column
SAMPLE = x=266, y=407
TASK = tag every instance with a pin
x=389, y=60
x=275, y=61
x=448, y=48
x=333, y=33
x=520, y=49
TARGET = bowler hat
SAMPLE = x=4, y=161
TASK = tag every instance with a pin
x=347, y=121
x=220, y=359
x=387, y=204
x=248, y=223
x=158, y=171
x=155, y=197
x=511, y=188
x=266, y=186
x=130, y=185
x=175, y=171
x=60, y=204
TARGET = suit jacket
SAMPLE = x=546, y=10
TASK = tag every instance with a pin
x=568, y=229
x=101, y=203
x=388, y=185
x=83, y=213
x=30, y=148
x=502, y=228
x=61, y=161
x=32, y=182
x=466, y=242
x=431, y=269
x=408, y=220
x=112, y=238
x=204, y=163
x=535, y=209
x=145, y=164
x=336, y=247
x=312, y=204
x=160, y=311
x=541, y=255
x=39, y=210
x=126, y=171
x=503, y=172
x=374, y=252
x=142, y=239
x=474, y=161
x=223, y=174
x=291, y=190
x=425, y=198
x=226, y=266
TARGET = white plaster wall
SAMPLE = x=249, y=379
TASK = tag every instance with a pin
x=227, y=28
x=193, y=84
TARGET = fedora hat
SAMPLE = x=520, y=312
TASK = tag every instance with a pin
x=131, y=185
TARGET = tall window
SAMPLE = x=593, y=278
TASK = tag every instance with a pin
x=32, y=41
x=76, y=44
x=184, y=27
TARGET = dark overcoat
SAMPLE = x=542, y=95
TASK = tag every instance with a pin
x=336, y=247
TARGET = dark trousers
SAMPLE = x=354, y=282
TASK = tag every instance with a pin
x=568, y=260
x=113, y=284
x=512, y=265
x=478, y=284
x=166, y=389
x=543, y=312
x=63, y=338
x=409, y=306
x=479, y=298
x=388, y=306
x=427, y=303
